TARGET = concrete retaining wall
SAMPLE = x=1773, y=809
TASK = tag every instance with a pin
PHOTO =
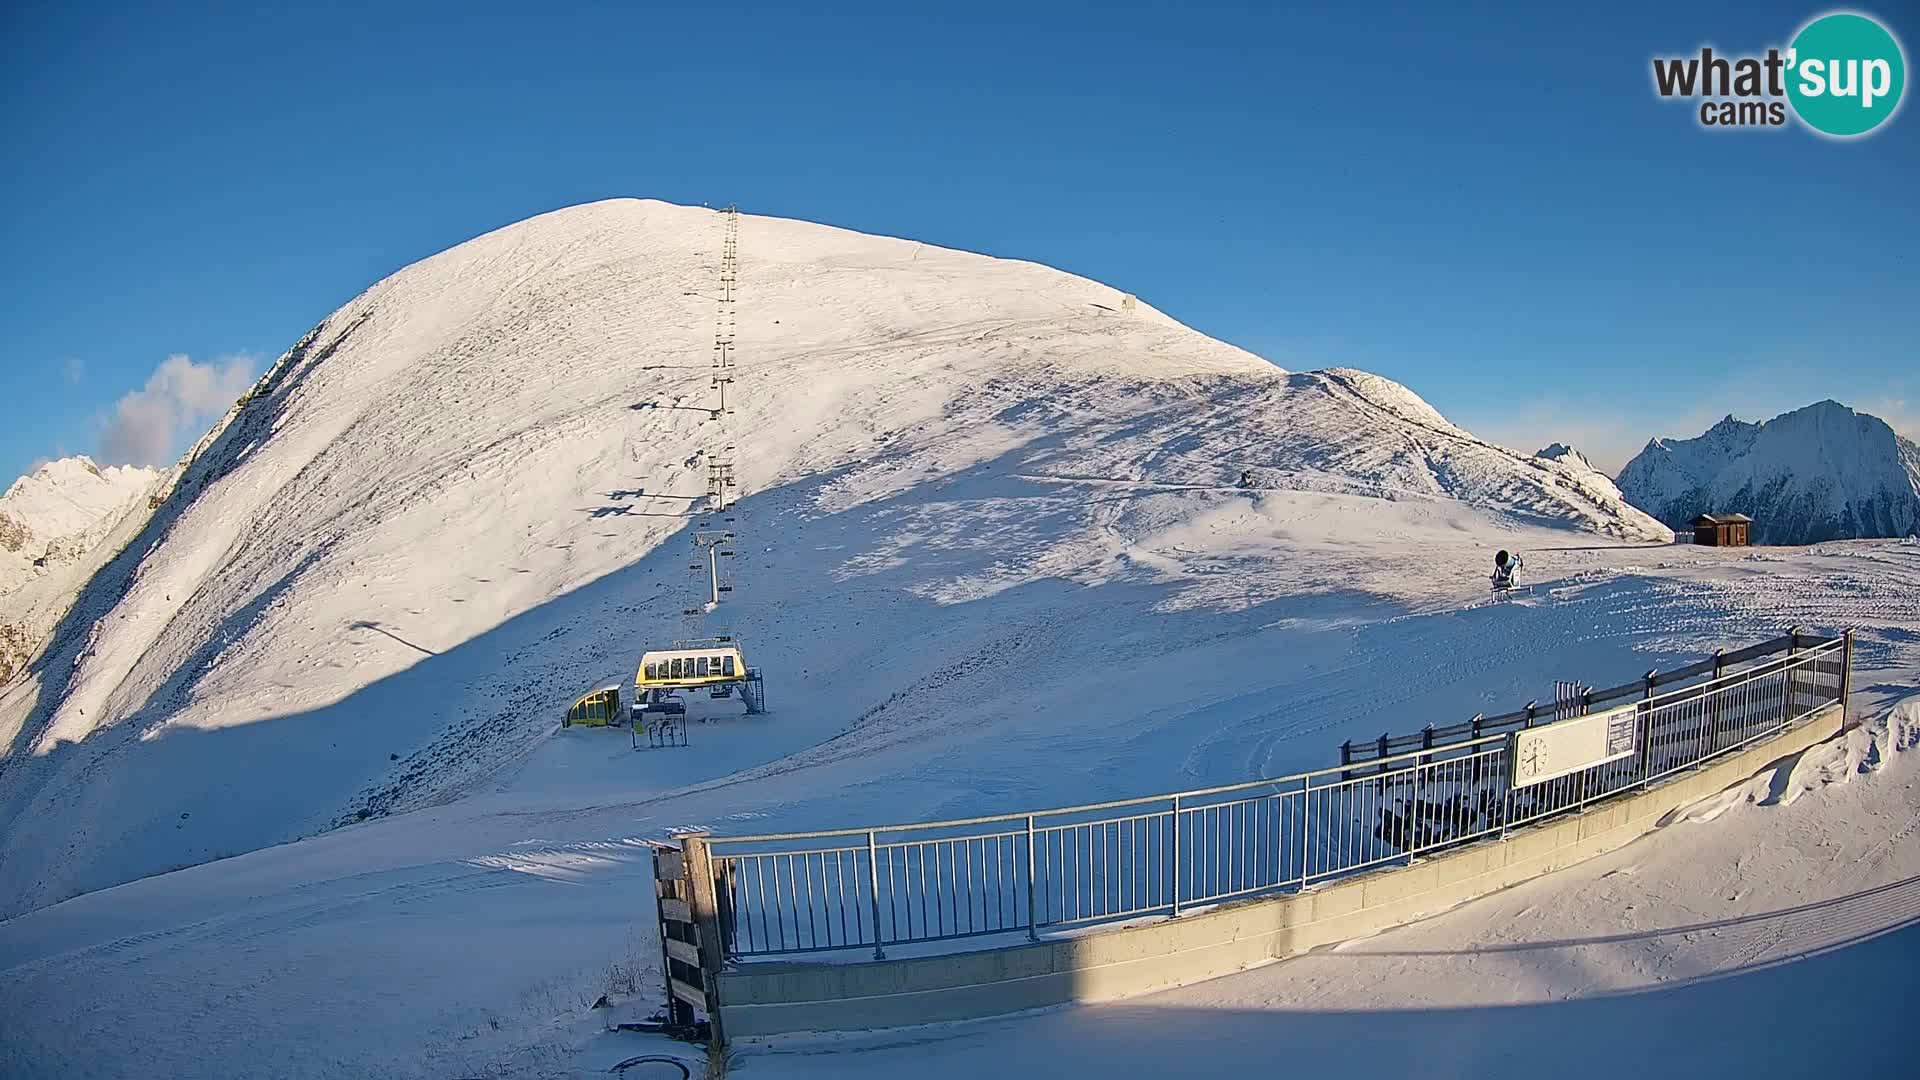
x=775, y=998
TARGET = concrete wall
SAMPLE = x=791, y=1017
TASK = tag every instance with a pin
x=774, y=998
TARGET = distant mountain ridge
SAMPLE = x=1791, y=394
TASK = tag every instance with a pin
x=1565, y=454
x=1823, y=472
x=51, y=520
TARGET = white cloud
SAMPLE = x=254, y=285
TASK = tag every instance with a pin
x=75, y=369
x=151, y=425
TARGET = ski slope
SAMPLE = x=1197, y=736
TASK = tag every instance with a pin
x=448, y=509
x=472, y=937
x=287, y=797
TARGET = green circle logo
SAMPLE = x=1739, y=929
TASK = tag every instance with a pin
x=1845, y=74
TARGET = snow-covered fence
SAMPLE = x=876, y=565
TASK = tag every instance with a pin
x=1161, y=855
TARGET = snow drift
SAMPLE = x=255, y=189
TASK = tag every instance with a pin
x=1824, y=472
x=446, y=508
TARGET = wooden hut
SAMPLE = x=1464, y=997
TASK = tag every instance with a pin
x=1721, y=530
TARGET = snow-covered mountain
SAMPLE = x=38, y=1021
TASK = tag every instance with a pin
x=1563, y=453
x=52, y=513
x=995, y=553
x=448, y=508
x=51, y=520
x=1824, y=472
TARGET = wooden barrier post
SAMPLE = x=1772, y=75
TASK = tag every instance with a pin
x=705, y=908
x=676, y=930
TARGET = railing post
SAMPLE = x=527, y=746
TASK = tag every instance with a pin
x=705, y=908
x=1645, y=726
x=1033, y=920
x=1793, y=676
x=873, y=891
x=1346, y=759
x=1306, y=830
x=1176, y=856
x=1413, y=810
x=1506, y=813
x=1846, y=675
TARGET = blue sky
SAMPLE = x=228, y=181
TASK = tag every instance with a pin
x=1488, y=205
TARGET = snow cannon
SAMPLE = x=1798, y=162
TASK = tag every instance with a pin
x=1505, y=567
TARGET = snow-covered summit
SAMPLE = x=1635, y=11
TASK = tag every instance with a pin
x=1561, y=452
x=453, y=500
x=58, y=512
x=65, y=497
x=51, y=520
x=1393, y=397
x=1823, y=472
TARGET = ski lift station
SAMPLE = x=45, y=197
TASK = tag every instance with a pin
x=717, y=665
x=681, y=668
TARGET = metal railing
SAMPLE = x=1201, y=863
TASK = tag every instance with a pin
x=1534, y=713
x=789, y=893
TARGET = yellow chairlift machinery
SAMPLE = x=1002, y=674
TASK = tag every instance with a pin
x=690, y=665
x=714, y=663
x=597, y=708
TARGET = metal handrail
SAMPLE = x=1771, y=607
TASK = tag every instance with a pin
x=1374, y=767
x=1161, y=854
x=1635, y=690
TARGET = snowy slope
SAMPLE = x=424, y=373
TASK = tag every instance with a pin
x=52, y=521
x=1824, y=472
x=447, y=509
x=473, y=937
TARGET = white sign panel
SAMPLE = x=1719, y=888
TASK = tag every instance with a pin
x=1568, y=746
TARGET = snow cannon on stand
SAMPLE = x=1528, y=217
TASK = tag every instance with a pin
x=1506, y=572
